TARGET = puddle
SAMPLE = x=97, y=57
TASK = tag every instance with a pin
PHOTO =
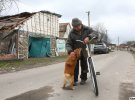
x=38, y=94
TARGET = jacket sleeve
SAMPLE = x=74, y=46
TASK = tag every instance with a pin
x=90, y=32
x=69, y=44
x=94, y=34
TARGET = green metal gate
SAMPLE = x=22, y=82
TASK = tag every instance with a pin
x=39, y=47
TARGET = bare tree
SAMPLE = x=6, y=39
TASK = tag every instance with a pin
x=103, y=32
x=7, y=4
x=100, y=28
x=131, y=43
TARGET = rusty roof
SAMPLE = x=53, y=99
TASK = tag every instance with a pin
x=48, y=12
x=9, y=23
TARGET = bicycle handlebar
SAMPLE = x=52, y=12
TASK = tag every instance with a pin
x=83, y=42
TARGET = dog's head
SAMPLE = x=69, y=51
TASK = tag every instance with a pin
x=77, y=52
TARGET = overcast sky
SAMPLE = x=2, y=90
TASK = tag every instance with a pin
x=118, y=16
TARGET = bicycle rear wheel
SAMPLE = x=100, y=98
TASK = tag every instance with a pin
x=93, y=76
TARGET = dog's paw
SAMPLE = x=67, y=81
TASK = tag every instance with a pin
x=68, y=88
x=72, y=88
x=63, y=88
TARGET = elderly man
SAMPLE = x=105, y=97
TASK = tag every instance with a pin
x=79, y=32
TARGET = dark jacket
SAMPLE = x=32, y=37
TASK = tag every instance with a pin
x=72, y=44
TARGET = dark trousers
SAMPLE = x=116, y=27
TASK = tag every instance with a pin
x=84, y=69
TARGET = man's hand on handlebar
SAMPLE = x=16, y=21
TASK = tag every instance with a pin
x=86, y=40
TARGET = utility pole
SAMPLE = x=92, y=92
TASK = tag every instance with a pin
x=118, y=43
x=88, y=18
x=106, y=37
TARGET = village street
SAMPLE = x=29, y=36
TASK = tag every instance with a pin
x=45, y=83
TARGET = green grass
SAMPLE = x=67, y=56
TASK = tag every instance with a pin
x=133, y=52
x=29, y=63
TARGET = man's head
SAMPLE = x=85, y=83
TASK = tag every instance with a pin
x=77, y=24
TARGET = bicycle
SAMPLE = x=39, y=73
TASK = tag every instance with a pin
x=91, y=68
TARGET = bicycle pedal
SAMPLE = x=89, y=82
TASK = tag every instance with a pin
x=97, y=73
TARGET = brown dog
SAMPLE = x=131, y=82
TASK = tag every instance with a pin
x=69, y=69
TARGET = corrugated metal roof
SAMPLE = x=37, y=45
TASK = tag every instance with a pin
x=9, y=23
x=44, y=11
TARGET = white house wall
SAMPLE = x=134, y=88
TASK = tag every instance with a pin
x=42, y=24
x=67, y=31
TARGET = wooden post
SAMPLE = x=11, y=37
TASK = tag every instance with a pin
x=31, y=24
x=43, y=24
x=17, y=42
x=27, y=41
x=47, y=23
x=35, y=24
x=40, y=22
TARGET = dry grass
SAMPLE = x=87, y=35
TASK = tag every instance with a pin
x=133, y=52
x=16, y=65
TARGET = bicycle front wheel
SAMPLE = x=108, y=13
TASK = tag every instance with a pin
x=93, y=76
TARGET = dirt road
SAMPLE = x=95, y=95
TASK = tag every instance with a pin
x=45, y=83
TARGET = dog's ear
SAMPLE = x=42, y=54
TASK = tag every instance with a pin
x=80, y=49
x=77, y=52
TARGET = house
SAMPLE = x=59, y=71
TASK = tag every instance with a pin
x=64, y=29
x=112, y=46
x=28, y=35
x=131, y=45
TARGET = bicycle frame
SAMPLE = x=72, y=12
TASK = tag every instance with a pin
x=91, y=67
x=88, y=49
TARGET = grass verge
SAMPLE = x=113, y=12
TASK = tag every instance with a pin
x=133, y=52
x=16, y=65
